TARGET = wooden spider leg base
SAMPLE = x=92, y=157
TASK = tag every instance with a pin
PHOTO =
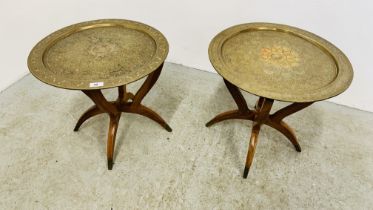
x=261, y=115
x=126, y=102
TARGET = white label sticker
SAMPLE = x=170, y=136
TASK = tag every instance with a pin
x=96, y=84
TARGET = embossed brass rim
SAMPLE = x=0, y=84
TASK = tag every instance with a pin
x=38, y=68
x=340, y=83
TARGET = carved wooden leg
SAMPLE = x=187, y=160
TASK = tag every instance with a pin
x=101, y=102
x=109, y=108
x=259, y=103
x=145, y=111
x=229, y=115
x=252, y=145
x=263, y=108
x=126, y=102
x=243, y=112
x=237, y=96
x=113, y=127
x=136, y=107
x=93, y=111
x=286, y=131
x=276, y=121
x=286, y=111
x=122, y=91
x=260, y=116
x=123, y=95
x=146, y=86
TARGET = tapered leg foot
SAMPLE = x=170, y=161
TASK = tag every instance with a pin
x=276, y=121
x=145, y=111
x=252, y=147
x=167, y=127
x=113, y=127
x=110, y=164
x=286, y=131
x=298, y=148
x=245, y=172
x=93, y=111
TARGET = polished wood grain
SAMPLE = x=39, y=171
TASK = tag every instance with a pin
x=262, y=109
x=243, y=111
x=126, y=102
x=261, y=115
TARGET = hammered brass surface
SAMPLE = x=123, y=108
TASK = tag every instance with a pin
x=108, y=52
x=280, y=62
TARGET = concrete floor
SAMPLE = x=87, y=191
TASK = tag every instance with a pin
x=45, y=165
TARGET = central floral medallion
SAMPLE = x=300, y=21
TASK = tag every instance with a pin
x=100, y=50
x=280, y=56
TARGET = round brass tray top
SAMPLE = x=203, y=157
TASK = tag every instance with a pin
x=98, y=54
x=280, y=62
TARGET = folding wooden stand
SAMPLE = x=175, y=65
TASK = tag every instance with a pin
x=126, y=102
x=261, y=115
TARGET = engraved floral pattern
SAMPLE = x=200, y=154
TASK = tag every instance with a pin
x=280, y=56
x=102, y=49
x=115, y=51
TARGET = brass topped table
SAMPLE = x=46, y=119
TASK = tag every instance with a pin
x=100, y=54
x=276, y=62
